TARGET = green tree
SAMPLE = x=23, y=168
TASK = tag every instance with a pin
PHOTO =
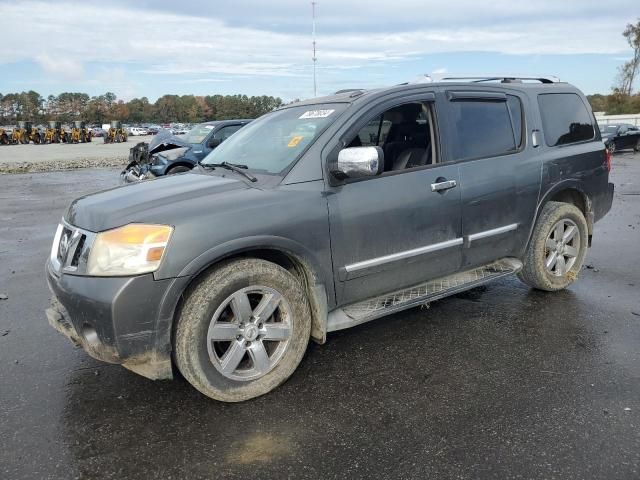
x=628, y=72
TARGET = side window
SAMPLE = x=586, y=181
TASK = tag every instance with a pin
x=226, y=132
x=482, y=129
x=565, y=119
x=375, y=133
x=405, y=133
x=515, y=109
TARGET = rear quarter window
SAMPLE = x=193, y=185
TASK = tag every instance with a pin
x=483, y=129
x=565, y=119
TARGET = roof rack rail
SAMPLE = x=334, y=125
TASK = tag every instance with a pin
x=353, y=91
x=438, y=77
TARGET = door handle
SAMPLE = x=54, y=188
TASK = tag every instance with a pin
x=442, y=186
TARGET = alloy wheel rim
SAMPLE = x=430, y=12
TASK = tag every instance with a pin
x=249, y=333
x=562, y=247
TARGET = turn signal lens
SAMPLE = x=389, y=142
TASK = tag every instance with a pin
x=130, y=250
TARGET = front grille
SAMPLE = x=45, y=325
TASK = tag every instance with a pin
x=71, y=249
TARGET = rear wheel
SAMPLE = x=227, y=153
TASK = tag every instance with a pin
x=243, y=330
x=557, y=248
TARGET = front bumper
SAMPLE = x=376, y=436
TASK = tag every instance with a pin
x=115, y=320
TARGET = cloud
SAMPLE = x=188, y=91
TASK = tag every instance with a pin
x=65, y=68
x=209, y=45
x=196, y=40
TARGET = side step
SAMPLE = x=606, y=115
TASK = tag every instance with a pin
x=377, y=307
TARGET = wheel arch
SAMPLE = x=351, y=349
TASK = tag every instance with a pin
x=180, y=163
x=568, y=191
x=283, y=252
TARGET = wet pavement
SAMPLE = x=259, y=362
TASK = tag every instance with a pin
x=498, y=382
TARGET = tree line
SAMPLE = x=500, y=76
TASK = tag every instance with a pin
x=70, y=106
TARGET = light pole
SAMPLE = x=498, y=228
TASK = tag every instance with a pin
x=314, y=58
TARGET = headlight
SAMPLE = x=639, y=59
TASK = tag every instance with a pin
x=130, y=250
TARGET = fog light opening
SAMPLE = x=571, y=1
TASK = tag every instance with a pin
x=90, y=335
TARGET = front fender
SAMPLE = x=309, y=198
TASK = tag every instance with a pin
x=259, y=242
x=316, y=285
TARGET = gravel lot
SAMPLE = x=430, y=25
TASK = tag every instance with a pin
x=63, y=156
x=498, y=382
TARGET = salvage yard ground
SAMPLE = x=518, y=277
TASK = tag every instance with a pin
x=498, y=382
x=63, y=156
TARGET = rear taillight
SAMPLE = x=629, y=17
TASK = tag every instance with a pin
x=607, y=159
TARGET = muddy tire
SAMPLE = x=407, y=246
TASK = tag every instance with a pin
x=557, y=248
x=242, y=330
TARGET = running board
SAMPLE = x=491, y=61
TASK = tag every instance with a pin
x=377, y=307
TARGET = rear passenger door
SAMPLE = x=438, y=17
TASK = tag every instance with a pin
x=499, y=176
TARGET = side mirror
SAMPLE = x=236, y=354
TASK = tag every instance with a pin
x=214, y=142
x=358, y=162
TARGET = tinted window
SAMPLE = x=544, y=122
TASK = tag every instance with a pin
x=374, y=134
x=565, y=119
x=515, y=108
x=483, y=129
x=226, y=132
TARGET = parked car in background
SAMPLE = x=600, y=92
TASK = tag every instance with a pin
x=305, y=223
x=167, y=154
x=97, y=132
x=621, y=136
x=137, y=131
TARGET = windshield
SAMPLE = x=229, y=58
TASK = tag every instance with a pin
x=198, y=133
x=609, y=129
x=274, y=141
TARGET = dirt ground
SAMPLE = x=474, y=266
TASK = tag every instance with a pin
x=63, y=156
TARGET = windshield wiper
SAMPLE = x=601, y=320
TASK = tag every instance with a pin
x=241, y=169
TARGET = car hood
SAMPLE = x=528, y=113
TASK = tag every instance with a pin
x=162, y=200
x=165, y=140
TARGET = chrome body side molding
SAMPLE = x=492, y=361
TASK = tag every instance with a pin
x=490, y=233
x=374, y=262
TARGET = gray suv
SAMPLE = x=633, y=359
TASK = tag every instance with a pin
x=326, y=214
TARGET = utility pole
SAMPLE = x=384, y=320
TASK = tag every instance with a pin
x=314, y=58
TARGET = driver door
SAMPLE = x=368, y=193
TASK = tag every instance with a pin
x=399, y=228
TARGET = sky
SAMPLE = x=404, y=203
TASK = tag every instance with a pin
x=263, y=47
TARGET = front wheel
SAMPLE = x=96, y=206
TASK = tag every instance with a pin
x=612, y=148
x=243, y=330
x=636, y=148
x=557, y=248
x=178, y=169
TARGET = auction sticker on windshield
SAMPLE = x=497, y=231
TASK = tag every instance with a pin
x=316, y=114
x=295, y=141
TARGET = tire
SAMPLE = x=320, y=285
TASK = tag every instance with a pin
x=543, y=244
x=201, y=359
x=612, y=147
x=178, y=169
x=636, y=148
